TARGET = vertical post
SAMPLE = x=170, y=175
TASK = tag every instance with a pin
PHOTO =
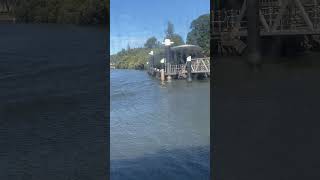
x=189, y=77
x=162, y=77
x=253, y=33
x=315, y=21
x=167, y=44
x=219, y=19
x=148, y=67
x=167, y=49
x=152, y=70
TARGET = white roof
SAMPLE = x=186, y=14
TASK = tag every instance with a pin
x=186, y=46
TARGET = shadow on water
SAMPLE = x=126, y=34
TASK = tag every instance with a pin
x=52, y=102
x=270, y=116
x=187, y=164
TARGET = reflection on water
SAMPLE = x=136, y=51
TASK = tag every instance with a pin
x=159, y=131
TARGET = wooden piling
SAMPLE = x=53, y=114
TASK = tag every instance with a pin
x=162, y=75
x=189, y=76
x=253, y=32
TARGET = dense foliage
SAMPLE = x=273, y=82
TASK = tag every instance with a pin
x=170, y=34
x=200, y=33
x=61, y=11
x=152, y=43
x=129, y=59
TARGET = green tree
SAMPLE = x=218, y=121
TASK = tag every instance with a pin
x=62, y=11
x=200, y=33
x=177, y=39
x=170, y=34
x=151, y=43
x=135, y=57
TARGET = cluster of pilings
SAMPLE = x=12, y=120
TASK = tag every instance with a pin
x=165, y=76
x=279, y=27
x=253, y=38
x=161, y=72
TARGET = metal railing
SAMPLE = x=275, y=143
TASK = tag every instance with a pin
x=198, y=65
x=273, y=19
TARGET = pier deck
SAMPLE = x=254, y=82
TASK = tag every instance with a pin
x=198, y=66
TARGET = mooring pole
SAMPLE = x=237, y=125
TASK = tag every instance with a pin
x=253, y=33
x=148, y=67
x=152, y=69
x=167, y=43
x=189, y=77
x=152, y=60
x=162, y=76
x=168, y=61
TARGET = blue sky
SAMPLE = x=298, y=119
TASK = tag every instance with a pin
x=134, y=21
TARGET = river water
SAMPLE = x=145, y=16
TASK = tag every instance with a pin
x=53, y=102
x=158, y=131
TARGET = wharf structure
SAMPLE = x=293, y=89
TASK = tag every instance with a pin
x=258, y=112
x=6, y=8
x=238, y=25
x=179, y=62
x=112, y=66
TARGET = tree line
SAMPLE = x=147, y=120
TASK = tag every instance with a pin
x=199, y=35
x=60, y=11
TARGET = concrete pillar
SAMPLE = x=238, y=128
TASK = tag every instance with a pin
x=253, y=33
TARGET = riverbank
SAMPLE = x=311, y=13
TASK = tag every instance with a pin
x=58, y=11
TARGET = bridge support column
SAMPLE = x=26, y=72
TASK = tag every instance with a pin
x=253, y=33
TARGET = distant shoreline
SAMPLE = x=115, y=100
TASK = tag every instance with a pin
x=63, y=24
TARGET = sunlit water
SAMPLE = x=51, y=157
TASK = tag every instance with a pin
x=158, y=131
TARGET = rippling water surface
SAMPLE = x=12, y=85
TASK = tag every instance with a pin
x=158, y=131
x=52, y=123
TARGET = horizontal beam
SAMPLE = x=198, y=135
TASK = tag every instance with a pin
x=278, y=33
